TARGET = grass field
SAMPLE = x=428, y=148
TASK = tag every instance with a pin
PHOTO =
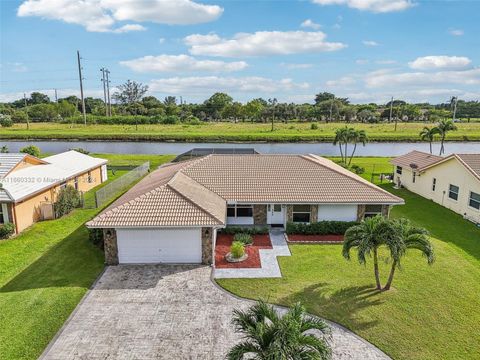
x=222, y=132
x=44, y=272
x=432, y=312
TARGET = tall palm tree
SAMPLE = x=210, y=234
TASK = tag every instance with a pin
x=443, y=127
x=427, y=134
x=367, y=237
x=340, y=138
x=270, y=336
x=357, y=136
x=407, y=236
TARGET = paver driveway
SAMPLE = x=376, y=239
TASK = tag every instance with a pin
x=164, y=312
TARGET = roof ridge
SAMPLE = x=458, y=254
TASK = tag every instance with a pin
x=355, y=177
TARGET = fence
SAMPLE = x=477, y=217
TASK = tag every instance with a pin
x=109, y=191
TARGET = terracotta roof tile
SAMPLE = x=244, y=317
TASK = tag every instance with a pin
x=419, y=158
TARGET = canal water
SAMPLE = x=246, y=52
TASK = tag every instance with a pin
x=322, y=148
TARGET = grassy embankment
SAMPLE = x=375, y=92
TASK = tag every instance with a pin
x=225, y=131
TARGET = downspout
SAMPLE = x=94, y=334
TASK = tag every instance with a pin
x=15, y=218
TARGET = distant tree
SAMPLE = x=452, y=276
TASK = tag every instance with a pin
x=151, y=102
x=272, y=107
x=253, y=109
x=31, y=150
x=357, y=136
x=92, y=104
x=342, y=136
x=267, y=335
x=428, y=134
x=216, y=103
x=130, y=92
x=66, y=109
x=42, y=112
x=323, y=96
x=443, y=128
x=38, y=98
x=170, y=100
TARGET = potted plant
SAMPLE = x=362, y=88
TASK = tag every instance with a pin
x=237, y=252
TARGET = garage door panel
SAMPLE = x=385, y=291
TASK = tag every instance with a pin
x=141, y=246
x=341, y=212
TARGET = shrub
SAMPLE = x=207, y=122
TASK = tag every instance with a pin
x=80, y=150
x=192, y=120
x=320, y=228
x=6, y=121
x=357, y=169
x=170, y=120
x=96, y=237
x=232, y=230
x=6, y=230
x=244, y=238
x=68, y=199
x=19, y=116
x=237, y=249
x=31, y=150
x=314, y=126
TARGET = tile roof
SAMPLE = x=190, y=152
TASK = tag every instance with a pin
x=196, y=192
x=8, y=161
x=419, y=158
x=472, y=161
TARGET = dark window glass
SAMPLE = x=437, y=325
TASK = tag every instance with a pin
x=434, y=184
x=244, y=211
x=399, y=170
x=301, y=217
x=453, y=192
x=231, y=211
x=2, y=219
x=474, y=200
x=414, y=176
x=277, y=208
x=375, y=209
x=301, y=208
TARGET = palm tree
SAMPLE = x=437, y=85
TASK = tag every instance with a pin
x=357, y=136
x=367, y=237
x=340, y=138
x=443, y=127
x=427, y=134
x=270, y=336
x=406, y=236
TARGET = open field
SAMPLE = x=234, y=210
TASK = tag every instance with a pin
x=224, y=131
x=432, y=312
x=44, y=272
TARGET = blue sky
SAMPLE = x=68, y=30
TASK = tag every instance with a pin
x=366, y=50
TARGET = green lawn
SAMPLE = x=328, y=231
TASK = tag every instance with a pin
x=44, y=272
x=227, y=131
x=432, y=312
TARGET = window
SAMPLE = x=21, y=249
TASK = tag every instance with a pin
x=277, y=208
x=2, y=215
x=434, y=184
x=89, y=177
x=399, y=170
x=301, y=213
x=239, y=211
x=414, y=176
x=453, y=192
x=372, y=210
x=75, y=183
x=474, y=200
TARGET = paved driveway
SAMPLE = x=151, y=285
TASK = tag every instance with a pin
x=164, y=312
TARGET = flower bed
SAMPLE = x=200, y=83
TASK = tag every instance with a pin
x=224, y=241
x=327, y=239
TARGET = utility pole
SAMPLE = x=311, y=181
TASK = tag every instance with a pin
x=331, y=108
x=25, y=102
x=56, y=97
x=81, y=88
x=391, y=110
x=104, y=91
x=108, y=93
x=455, y=99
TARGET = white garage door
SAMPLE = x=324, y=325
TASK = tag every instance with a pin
x=142, y=246
x=337, y=212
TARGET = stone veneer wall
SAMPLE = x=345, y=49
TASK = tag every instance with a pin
x=260, y=214
x=386, y=210
x=313, y=213
x=289, y=213
x=360, y=212
x=207, y=245
x=110, y=246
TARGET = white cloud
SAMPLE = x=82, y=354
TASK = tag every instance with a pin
x=102, y=15
x=362, y=61
x=385, y=62
x=309, y=23
x=181, y=63
x=198, y=85
x=292, y=66
x=161, y=40
x=343, y=81
x=440, y=62
x=128, y=28
x=370, y=43
x=386, y=78
x=456, y=32
x=261, y=43
x=376, y=6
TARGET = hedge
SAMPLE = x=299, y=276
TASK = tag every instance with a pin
x=232, y=230
x=320, y=228
x=6, y=230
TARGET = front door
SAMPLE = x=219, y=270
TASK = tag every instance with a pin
x=276, y=214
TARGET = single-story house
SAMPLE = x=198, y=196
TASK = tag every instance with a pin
x=173, y=214
x=29, y=186
x=452, y=181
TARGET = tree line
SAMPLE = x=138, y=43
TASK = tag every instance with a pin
x=132, y=105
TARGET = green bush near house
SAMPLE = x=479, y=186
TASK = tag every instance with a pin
x=320, y=228
x=237, y=249
x=244, y=238
x=6, y=230
x=68, y=199
x=31, y=150
x=232, y=230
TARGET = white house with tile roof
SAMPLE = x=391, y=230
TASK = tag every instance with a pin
x=172, y=215
x=452, y=181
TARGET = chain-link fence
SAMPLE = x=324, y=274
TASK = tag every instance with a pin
x=113, y=189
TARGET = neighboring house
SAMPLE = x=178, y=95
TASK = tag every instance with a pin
x=452, y=181
x=173, y=214
x=30, y=185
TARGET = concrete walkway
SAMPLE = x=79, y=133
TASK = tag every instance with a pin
x=268, y=259
x=165, y=312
